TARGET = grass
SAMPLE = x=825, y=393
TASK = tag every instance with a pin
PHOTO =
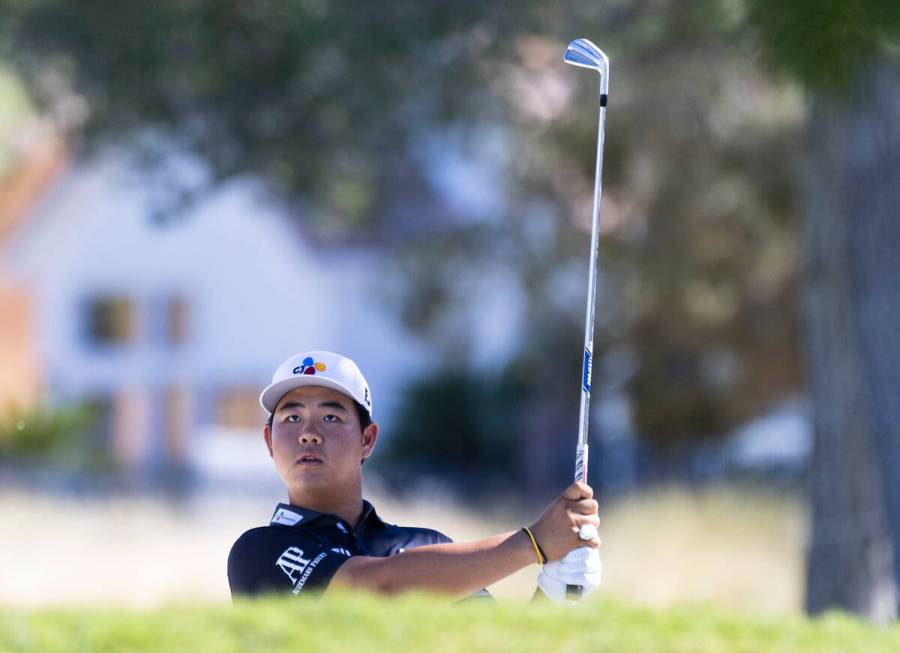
x=362, y=623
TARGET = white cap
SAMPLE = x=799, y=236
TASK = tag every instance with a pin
x=322, y=368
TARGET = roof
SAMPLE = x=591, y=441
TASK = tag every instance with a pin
x=24, y=184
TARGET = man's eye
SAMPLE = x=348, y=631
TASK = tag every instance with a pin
x=331, y=418
x=292, y=418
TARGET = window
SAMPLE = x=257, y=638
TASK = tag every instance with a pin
x=109, y=321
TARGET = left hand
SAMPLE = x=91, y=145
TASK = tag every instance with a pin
x=580, y=566
x=557, y=529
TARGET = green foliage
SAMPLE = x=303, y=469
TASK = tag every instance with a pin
x=463, y=423
x=51, y=436
x=474, y=428
x=14, y=111
x=309, y=95
x=328, y=102
x=826, y=43
x=360, y=623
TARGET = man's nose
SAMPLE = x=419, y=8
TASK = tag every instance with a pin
x=310, y=437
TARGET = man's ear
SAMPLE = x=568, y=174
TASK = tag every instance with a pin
x=369, y=437
x=267, y=436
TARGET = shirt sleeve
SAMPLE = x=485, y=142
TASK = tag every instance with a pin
x=261, y=562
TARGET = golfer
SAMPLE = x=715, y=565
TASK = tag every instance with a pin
x=319, y=432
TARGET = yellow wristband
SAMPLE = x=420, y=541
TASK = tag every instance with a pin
x=540, y=554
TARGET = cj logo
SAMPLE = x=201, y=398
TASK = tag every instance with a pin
x=309, y=366
x=292, y=563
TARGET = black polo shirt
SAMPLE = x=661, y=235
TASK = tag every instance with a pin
x=301, y=549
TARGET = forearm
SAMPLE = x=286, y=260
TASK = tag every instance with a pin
x=454, y=568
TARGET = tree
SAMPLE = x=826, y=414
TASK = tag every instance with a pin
x=844, y=52
x=333, y=104
x=330, y=104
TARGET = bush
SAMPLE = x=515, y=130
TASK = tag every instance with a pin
x=48, y=436
x=456, y=425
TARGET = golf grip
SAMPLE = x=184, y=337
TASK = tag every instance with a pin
x=573, y=592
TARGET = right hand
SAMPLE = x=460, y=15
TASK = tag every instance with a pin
x=556, y=530
x=581, y=567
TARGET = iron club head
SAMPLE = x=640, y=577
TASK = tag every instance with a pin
x=584, y=54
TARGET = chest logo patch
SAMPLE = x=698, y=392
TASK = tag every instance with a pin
x=286, y=517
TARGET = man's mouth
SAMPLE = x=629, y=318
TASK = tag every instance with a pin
x=308, y=459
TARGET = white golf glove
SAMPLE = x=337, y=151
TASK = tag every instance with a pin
x=580, y=566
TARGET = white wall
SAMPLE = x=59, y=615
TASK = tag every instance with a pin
x=257, y=294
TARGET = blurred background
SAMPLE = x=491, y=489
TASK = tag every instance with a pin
x=190, y=192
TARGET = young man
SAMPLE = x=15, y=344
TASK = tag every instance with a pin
x=319, y=432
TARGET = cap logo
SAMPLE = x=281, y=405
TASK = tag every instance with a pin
x=309, y=366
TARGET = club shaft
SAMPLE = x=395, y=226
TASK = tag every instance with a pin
x=581, y=457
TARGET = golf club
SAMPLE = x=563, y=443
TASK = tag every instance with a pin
x=585, y=54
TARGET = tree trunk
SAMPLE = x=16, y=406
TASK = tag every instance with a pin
x=852, y=311
x=873, y=177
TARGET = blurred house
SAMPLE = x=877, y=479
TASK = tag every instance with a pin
x=774, y=447
x=19, y=378
x=170, y=330
x=776, y=444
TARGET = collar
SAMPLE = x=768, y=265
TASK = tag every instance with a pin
x=287, y=514
x=369, y=519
